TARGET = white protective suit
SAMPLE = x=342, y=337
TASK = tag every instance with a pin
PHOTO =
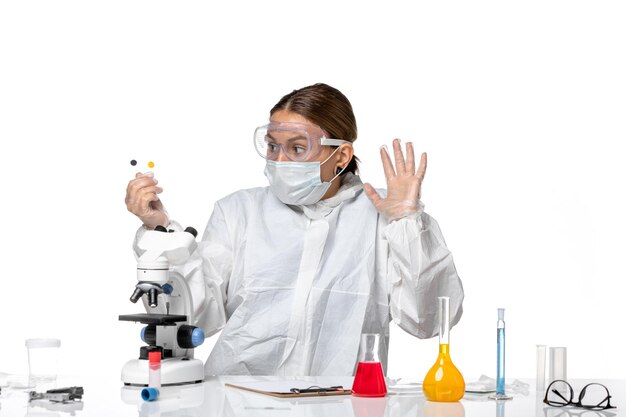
x=293, y=288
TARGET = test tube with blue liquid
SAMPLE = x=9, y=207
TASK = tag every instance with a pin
x=500, y=390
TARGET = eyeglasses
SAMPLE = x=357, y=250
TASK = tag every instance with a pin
x=561, y=394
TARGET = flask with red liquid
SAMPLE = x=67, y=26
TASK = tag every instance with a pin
x=369, y=380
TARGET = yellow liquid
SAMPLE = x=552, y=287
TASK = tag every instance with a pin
x=444, y=382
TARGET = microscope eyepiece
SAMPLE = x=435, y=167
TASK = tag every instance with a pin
x=191, y=230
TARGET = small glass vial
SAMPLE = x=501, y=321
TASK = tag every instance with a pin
x=154, y=377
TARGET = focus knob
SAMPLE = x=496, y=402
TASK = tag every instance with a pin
x=189, y=337
x=191, y=230
x=148, y=335
x=167, y=289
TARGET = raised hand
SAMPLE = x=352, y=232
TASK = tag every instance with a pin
x=142, y=200
x=403, y=183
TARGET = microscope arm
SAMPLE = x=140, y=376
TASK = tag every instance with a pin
x=181, y=293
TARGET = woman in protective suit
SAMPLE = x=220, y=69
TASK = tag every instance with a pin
x=294, y=273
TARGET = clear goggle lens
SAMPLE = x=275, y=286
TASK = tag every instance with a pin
x=297, y=142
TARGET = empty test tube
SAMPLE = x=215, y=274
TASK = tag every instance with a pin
x=541, y=368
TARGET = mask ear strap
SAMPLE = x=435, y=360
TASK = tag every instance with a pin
x=342, y=169
x=329, y=156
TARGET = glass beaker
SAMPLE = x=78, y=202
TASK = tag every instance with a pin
x=369, y=380
x=444, y=382
x=42, y=359
x=558, y=363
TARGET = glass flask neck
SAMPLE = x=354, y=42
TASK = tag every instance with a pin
x=369, y=350
x=500, y=318
x=444, y=321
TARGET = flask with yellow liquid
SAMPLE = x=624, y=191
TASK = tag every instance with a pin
x=444, y=382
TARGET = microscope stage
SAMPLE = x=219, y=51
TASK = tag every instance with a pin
x=158, y=319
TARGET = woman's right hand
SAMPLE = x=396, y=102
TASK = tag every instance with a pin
x=142, y=200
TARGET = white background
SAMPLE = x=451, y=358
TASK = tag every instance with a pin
x=520, y=105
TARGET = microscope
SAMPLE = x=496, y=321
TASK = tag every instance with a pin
x=163, y=290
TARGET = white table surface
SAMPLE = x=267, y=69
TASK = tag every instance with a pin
x=109, y=398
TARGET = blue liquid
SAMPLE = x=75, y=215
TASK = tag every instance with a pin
x=500, y=374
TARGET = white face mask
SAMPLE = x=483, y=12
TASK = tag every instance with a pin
x=298, y=183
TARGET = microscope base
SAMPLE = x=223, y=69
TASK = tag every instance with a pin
x=173, y=371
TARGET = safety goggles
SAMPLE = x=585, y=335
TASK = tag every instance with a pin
x=297, y=141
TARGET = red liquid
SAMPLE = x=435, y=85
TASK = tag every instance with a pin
x=369, y=380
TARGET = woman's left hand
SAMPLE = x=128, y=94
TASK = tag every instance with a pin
x=403, y=183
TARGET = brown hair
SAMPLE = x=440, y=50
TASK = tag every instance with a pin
x=328, y=108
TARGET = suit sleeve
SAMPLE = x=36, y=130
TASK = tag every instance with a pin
x=420, y=268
